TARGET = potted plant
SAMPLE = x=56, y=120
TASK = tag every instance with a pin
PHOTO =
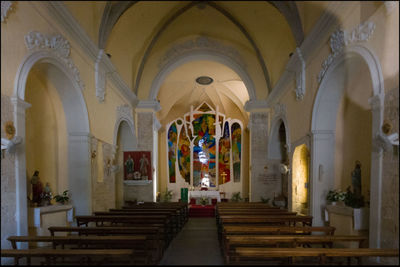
x=335, y=196
x=236, y=197
x=167, y=195
x=63, y=199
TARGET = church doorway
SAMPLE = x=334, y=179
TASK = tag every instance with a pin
x=300, y=179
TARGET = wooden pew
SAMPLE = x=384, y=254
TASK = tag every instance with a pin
x=246, y=229
x=257, y=253
x=129, y=220
x=154, y=232
x=251, y=212
x=181, y=207
x=175, y=221
x=233, y=241
x=267, y=219
x=177, y=212
x=144, y=248
x=79, y=256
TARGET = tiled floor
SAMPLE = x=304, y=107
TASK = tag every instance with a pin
x=196, y=244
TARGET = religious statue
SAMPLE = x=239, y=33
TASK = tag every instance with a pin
x=144, y=163
x=37, y=188
x=46, y=195
x=356, y=179
x=129, y=167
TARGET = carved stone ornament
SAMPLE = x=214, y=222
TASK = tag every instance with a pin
x=340, y=39
x=6, y=6
x=9, y=129
x=57, y=45
x=200, y=43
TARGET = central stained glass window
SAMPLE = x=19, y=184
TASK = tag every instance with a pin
x=204, y=148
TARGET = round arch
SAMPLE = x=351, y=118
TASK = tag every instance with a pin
x=77, y=124
x=323, y=134
x=275, y=130
x=201, y=54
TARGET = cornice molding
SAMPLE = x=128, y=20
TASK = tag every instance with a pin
x=64, y=18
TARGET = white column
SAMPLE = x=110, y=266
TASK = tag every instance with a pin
x=79, y=172
x=322, y=154
x=21, y=212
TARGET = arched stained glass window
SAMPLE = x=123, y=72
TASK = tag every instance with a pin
x=205, y=147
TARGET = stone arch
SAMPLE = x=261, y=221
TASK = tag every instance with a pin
x=65, y=78
x=275, y=130
x=201, y=54
x=124, y=114
x=323, y=134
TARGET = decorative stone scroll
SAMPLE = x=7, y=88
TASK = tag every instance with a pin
x=57, y=45
x=6, y=6
x=341, y=38
x=300, y=76
x=100, y=76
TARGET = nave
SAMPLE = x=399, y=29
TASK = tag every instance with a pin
x=163, y=234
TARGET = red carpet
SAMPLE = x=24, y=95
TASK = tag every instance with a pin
x=201, y=211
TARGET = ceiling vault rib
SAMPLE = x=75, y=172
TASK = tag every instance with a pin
x=155, y=39
x=252, y=42
x=114, y=10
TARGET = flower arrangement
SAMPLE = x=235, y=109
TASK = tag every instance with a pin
x=62, y=198
x=336, y=195
x=203, y=200
x=46, y=198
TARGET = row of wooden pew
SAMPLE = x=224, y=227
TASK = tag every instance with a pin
x=257, y=233
x=134, y=234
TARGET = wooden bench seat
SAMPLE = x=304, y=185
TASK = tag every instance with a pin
x=146, y=248
x=233, y=241
x=264, y=229
x=79, y=256
x=259, y=253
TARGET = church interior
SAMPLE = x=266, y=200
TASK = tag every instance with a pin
x=199, y=132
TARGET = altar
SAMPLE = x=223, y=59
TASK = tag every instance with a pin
x=207, y=194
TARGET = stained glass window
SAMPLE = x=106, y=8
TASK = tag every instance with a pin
x=206, y=149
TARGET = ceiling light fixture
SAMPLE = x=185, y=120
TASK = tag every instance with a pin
x=204, y=80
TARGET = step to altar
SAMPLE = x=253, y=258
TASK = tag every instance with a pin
x=201, y=211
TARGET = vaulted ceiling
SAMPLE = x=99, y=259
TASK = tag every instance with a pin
x=138, y=34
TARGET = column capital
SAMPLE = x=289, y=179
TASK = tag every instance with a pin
x=148, y=106
x=19, y=103
x=256, y=106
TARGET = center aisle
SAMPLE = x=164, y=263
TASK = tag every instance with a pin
x=196, y=244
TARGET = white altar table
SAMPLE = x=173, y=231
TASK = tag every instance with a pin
x=210, y=194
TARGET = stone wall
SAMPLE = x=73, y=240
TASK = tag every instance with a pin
x=8, y=186
x=390, y=181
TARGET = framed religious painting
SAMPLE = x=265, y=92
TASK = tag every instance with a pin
x=137, y=165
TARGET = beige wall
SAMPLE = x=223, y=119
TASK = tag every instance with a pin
x=46, y=134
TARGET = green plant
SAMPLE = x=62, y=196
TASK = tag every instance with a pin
x=236, y=197
x=167, y=195
x=336, y=195
x=203, y=201
x=265, y=200
x=354, y=201
x=62, y=198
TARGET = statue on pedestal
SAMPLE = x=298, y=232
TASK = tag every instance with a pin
x=37, y=188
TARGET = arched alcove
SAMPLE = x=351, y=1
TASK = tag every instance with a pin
x=300, y=180
x=68, y=89
x=340, y=82
x=125, y=141
x=278, y=153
